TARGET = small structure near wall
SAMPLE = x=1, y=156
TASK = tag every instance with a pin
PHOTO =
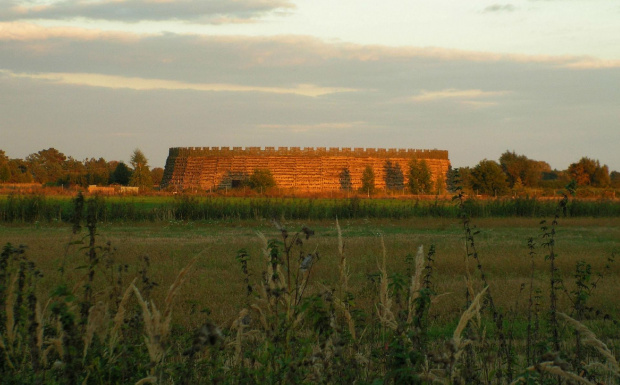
x=103, y=190
x=129, y=190
x=113, y=190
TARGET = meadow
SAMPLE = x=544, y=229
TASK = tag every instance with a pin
x=493, y=299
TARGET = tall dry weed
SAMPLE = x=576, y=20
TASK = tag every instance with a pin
x=156, y=325
x=416, y=283
x=384, y=307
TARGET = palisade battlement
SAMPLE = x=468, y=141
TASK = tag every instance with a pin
x=309, y=151
x=308, y=169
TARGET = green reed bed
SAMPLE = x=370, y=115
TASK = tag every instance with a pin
x=39, y=208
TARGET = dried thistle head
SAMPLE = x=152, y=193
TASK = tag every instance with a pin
x=306, y=263
x=307, y=232
x=207, y=335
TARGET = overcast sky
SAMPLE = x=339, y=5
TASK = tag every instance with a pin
x=99, y=78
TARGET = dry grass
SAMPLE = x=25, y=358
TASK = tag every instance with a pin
x=274, y=320
x=215, y=285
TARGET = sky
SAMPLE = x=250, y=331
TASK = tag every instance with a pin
x=100, y=78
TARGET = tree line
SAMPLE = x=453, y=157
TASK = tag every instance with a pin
x=51, y=167
x=514, y=173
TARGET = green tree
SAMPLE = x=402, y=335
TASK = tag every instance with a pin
x=5, y=173
x=368, y=180
x=141, y=176
x=614, y=179
x=393, y=176
x=555, y=179
x=157, y=174
x=601, y=177
x=489, y=178
x=121, y=174
x=261, y=179
x=521, y=167
x=47, y=166
x=453, y=179
x=345, y=179
x=97, y=171
x=75, y=174
x=465, y=178
x=419, y=177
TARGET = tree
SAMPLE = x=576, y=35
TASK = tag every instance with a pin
x=453, y=179
x=440, y=184
x=589, y=172
x=518, y=185
x=601, y=178
x=75, y=173
x=345, y=180
x=97, y=171
x=47, y=166
x=5, y=171
x=368, y=180
x=19, y=171
x=554, y=179
x=419, y=177
x=261, y=179
x=393, y=176
x=614, y=179
x=157, y=174
x=582, y=171
x=465, y=178
x=121, y=174
x=521, y=167
x=489, y=178
x=141, y=176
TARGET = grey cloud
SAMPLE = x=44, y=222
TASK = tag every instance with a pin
x=259, y=61
x=198, y=11
x=541, y=109
x=500, y=8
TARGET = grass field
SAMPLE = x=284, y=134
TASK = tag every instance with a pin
x=215, y=290
x=216, y=283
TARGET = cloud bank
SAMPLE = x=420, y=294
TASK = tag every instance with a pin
x=142, y=84
x=197, y=11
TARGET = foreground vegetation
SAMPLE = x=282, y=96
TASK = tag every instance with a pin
x=31, y=208
x=327, y=304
